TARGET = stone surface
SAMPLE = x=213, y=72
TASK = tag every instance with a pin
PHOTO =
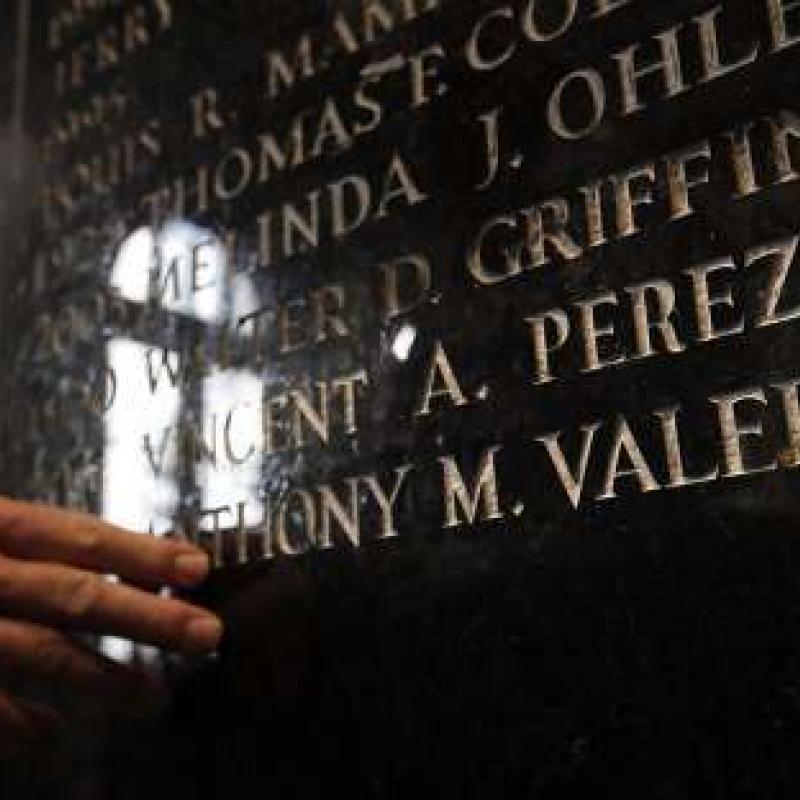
x=634, y=633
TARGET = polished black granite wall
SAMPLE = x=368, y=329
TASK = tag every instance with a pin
x=642, y=645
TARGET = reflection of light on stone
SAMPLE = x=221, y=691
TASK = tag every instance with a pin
x=191, y=271
x=233, y=412
x=131, y=271
x=403, y=342
x=137, y=487
x=244, y=300
x=183, y=264
x=182, y=267
x=134, y=496
x=124, y=651
x=117, y=649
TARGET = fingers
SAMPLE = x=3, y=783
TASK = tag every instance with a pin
x=46, y=533
x=83, y=601
x=35, y=651
x=24, y=724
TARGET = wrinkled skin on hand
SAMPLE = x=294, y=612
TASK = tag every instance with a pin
x=53, y=586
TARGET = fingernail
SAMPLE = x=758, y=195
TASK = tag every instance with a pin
x=204, y=633
x=191, y=567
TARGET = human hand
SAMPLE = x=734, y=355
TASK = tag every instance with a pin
x=53, y=565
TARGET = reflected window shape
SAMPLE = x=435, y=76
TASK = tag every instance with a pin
x=182, y=267
x=140, y=442
x=230, y=472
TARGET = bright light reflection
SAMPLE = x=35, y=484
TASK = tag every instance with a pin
x=233, y=422
x=183, y=267
x=133, y=494
x=187, y=264
x=403, y=342
x=131, y=271
x=244, y=299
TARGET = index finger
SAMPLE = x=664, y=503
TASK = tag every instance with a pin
x=46, y=533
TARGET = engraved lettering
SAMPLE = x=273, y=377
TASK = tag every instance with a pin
x=669, y=66
x=733, y=432
x=624, y=441
x=571, y=480
x=707, y=328
x=465, y=507
x=441, y=382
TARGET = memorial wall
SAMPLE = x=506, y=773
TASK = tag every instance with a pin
x=462, y=336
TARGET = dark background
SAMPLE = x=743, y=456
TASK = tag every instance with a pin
x=644, y=648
